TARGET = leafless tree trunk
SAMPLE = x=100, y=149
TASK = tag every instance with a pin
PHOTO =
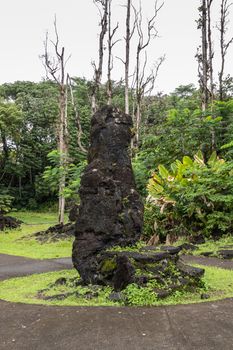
x=103, y=6
x=224, y=44
x=210, y=49
x=127, y=54
x=111, y=43
x=126, y=62
x=77, y=116
x=203, y=55
x=142, y=82
x=55, y=67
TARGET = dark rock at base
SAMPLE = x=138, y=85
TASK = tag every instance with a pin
x=226, y=254
x=162, y=294
x=207, y=253
x=170, y=249
x=190, y=270
x=124, y=273
x=198, y=239
x=205, y=296
x=117, y=297
x=183, y=281
x=91, y=295
x=60, y=281
x=73, y=214
x=54, y=233
x=111, y=210
x=141, y=280
x=8, y=222
x=188, y=246
x=144, y=258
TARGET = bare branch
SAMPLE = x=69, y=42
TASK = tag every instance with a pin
x=224, y=44
x=98, y=71
x=77, y=116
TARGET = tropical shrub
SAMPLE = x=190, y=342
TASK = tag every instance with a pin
x=192, y=197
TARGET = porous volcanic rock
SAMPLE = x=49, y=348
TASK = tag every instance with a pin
x=111, y=211
x=8, y=222
x=54, y=233
x=226, y=253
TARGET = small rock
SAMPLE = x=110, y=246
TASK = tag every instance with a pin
x=141, y=280
x=205, y=296
x=117, y=297
x=124, y=273
x=162, y=294
x=199, y=239
x=190, y=270
x=60, y=281
x=206, y=253
x=188, y=246
x=183, y=281
x=170, y=249
x=91, y=295
x=226, y=254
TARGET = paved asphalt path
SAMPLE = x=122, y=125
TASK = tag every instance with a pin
x=14, y=266
x=207, y=326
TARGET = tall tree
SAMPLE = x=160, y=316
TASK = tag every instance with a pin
x=210, y=50
x=144, y=84
x=55, y=67
x=224, y=42
x=103, y=7
x=202, y=55
x=111, y=44
x=205, y=54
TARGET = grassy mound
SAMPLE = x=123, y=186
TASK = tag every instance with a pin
x=11, y=240
x=62, y=288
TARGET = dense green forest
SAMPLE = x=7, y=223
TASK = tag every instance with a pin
x=182, y=149
x=173, y=126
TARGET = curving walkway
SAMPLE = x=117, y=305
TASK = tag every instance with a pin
x=16, y=266
x=206, y=326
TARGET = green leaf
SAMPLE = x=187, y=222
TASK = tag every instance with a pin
x=212, y=158
x=187, y=161
x=163, y=172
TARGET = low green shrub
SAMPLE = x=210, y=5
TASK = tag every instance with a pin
x=195, y=196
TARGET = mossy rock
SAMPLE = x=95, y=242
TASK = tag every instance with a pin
x=108, y=266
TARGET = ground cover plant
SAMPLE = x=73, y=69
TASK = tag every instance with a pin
x=18, y=242
x=62, y=288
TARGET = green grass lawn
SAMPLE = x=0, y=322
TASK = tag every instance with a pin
x=225, y=242
x=218, y=284
x=214, y=246
x=11, y=244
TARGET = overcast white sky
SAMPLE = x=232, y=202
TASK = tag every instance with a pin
x=23, y=24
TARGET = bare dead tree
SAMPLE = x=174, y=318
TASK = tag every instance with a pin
x=202, y=55
x=111, y=44
x=55, y=67
x=210, y=51
x=103, y=6
x=224, y=43
x=142, y=83
x=129, y=34
x=77, y=116
x=128, y=37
